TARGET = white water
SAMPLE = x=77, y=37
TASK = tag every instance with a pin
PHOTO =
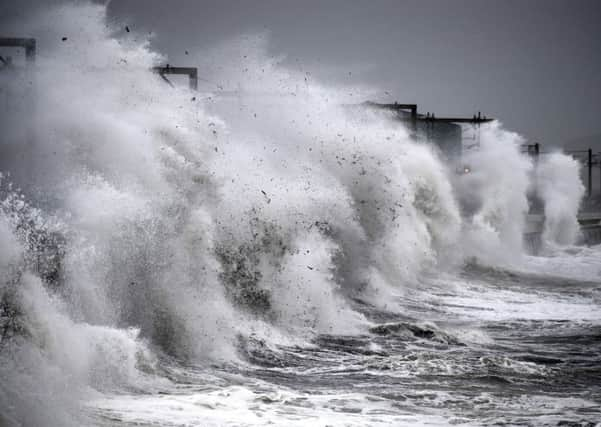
x=559, y=186
x=166, y=198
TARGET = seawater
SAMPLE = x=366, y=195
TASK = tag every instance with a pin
x=278, y=256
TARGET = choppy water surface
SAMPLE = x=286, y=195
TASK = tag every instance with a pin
x=487, y=347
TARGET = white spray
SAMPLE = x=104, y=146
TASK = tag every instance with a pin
x=559, y=186
x=188, y=219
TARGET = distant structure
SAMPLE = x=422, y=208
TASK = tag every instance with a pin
x=28, y=44
x=445, y=132
x=191, y=72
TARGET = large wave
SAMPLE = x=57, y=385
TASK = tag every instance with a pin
x=151, y=220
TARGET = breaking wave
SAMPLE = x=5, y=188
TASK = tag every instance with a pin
x=140, y=221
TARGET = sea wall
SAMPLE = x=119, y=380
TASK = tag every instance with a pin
x=590, y=231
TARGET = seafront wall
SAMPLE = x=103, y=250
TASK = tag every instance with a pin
x=590, y=231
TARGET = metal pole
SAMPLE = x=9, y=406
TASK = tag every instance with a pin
x=536, y=153
x=193, y=79
x=590, y=173
x=413, y=116
x=30, y=48
x=599, y=164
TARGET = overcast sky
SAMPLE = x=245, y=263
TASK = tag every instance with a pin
x=534, y=64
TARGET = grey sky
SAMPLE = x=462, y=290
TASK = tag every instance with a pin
x=534, y=64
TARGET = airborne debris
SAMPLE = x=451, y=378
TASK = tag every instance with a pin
x=266, y=197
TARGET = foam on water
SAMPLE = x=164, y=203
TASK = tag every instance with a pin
x=479, y=301
x=572, y=263
x=241, y=406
